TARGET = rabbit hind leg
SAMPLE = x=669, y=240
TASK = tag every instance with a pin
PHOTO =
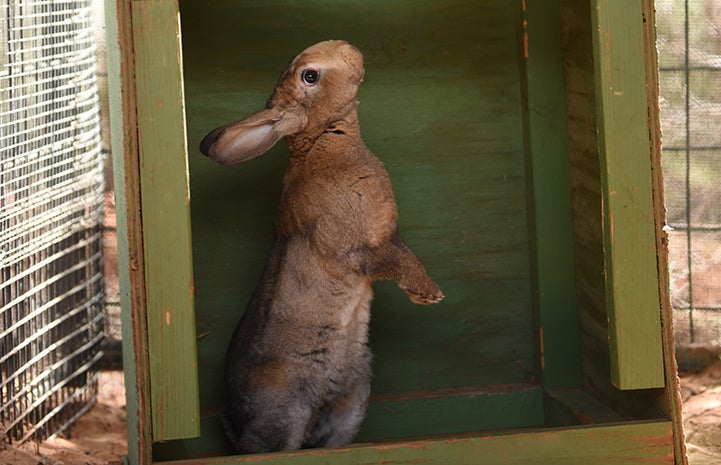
x=276, y=426
x=340, y=422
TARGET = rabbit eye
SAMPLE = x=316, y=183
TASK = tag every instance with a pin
x=310, y=76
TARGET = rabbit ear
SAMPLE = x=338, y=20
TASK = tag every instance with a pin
x=251, y=137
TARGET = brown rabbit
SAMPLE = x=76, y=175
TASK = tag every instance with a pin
x=298, y=368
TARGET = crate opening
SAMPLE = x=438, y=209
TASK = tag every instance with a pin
x=444, y=104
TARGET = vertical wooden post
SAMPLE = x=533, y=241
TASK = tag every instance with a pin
x=673, y=389
x=162, y=149
x=546, y=136
x=149, y=146
x=131, y=268
x=632, y=289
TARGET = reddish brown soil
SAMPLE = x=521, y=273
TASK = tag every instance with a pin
x=701, y=394
x=98, y=438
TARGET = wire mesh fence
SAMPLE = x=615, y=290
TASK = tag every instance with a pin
x=51, y=195
x=689, y=41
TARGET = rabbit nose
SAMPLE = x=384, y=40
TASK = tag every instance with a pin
x=207, y=143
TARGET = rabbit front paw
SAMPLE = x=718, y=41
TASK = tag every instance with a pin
x=430, y=294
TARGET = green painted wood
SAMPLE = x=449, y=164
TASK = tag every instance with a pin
x=166, y=219
x=585, y=189
x=551, y=227
x=570, y=407
x=131, y=272
x=628, y=213
x=411, y=414
x=456, y=411
x=629, y=444
x=588, y=226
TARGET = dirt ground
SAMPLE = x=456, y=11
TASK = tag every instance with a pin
x=701, y=395
x=98, y=438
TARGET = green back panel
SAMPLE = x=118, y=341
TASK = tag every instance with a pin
x=441, y=106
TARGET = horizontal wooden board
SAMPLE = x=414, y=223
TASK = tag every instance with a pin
x=453, y=411
x=627, y=444
x=410, y=414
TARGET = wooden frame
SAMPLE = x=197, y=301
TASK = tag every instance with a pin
x=156, y=268
x=570, y=57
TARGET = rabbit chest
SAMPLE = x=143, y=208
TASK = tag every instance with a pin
x=341, y=198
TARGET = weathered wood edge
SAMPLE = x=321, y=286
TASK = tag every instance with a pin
x=165, y=198
x=550, y=217
x=632, y=299
x=673, y=388
x=627, y=443
x=126, y=168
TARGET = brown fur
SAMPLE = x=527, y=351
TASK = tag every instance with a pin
x=298, y=367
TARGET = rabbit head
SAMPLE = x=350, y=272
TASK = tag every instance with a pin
x=317, y=89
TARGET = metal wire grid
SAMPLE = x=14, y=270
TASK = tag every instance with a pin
x=690, y=74
x=51, y=188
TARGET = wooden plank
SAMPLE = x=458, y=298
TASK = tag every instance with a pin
x=632, y=292
x=455, y=411
x=546, y=136
x=673, y=389
x=571, y=407
x=410, y=414
x=629, y=444
x=131, y=270
x=166, y=219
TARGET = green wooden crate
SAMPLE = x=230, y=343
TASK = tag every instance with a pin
x=523, y=142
